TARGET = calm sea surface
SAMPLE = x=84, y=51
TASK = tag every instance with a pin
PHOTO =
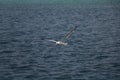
x=93, y=51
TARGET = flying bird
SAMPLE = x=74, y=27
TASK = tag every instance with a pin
x=67, y=35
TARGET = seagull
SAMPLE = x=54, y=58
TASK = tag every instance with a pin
x=67, y=35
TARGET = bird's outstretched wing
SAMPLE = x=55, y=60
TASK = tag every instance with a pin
x=67, y=35
x=53, y=41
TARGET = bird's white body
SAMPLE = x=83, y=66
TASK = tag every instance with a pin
x=59, y=42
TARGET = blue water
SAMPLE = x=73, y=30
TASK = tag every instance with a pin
x=93, y=51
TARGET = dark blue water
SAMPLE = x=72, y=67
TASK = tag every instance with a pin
x=93, y=51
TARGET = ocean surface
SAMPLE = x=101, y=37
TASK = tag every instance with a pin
x=92, y=53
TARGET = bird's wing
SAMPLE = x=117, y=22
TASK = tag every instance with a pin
x=52, y=40
x=67, y=35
